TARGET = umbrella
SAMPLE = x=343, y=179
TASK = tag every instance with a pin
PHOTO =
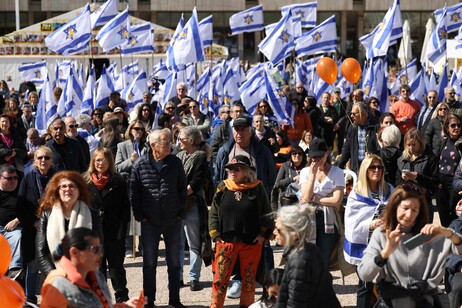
x=405, y=51
x=428, y=33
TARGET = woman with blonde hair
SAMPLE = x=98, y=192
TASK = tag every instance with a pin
x=363, y=214
x=110, y=199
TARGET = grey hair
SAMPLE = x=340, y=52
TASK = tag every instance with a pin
x=447, y=89
x=299, y=225
x=182, y=85
x=222, y=108
x=193, y=134
x=362, y=107
x=249, y=175
x=82, y=119
x=391, y=136
x=155, y=135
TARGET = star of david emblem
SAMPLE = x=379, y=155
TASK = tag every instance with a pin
x=285, y=36
x=133, y=40
x=316, y=36
x=216, y=98
x=183, y=34
x=403, y=79
x=123, y=32
x=204, y=100
x=300, y=13
x=38, y=74
x=455, y=17
x=70, y=31
x=367, y=89
x=248, y=19
x=60, y=72
x=228, y=99
x=442, y=34
x=130, y=95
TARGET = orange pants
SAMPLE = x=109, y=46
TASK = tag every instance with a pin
x=225, y=258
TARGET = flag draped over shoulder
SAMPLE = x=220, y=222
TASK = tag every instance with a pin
x=277, y=46
x=305, y=11
x=206, y=31
x=249, y=20
x=72, y=37
x=104, y=13
x=454, y=17
x=140, y=40
x=36, y=72
x=436, y=48
x=116, y=32
x=322, y=38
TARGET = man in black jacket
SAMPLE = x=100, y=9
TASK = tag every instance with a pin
x=158, y=195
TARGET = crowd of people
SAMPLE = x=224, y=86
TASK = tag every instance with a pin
x=223, y=187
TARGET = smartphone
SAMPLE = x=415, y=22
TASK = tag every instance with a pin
x=417, y=240
x=405, y=171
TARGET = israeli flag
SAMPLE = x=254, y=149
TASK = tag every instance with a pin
x=436, y=48
x=230, y=88
x=104, y=14
x=216, y=84
x=306, y=12
x=133, y=94
x=453, y=15
x=160, y=70
x=70, y=102
x=46, y=100
x=346, y=88
x=140, y=40
x=72, y=37
x=89, y=93
x=269, y=28
x=115, y=33
x=171, y=65
x=404, y=76
x=36, y=72
x=206, y=31
x=253, y=90
x=418, y=90
x=249, y=20
x=104, y=89
x=283, y=109
x=322, y=38
x=280, y=43
x=203, y=87
x=443, y=83
x=456, y=83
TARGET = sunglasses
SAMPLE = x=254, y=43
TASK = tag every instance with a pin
x=43, y=157
x=228, y=112
x=73, y=126
x=95, y=249
x=170, y=108
x=455, y=125
x=431, y=97
x=376, y=167
x=234, y=169
x=145, y=110
x=139, y=129
x=297, y=154
x=442, y=109
x=10, y=178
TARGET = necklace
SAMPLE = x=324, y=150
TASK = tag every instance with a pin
x=238, y=195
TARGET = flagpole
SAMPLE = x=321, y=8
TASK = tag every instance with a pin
x=121, y=66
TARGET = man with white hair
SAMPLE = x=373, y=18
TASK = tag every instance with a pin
x=71, y=132
x=158, y=193
x=83, y=120
x=181, y=91
x=450, y=99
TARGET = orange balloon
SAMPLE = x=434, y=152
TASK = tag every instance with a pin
x=12, y=294
x=351, y=70
x=5, y=255
x=327, y=69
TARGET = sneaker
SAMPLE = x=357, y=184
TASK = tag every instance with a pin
x=128, y=254
x=16, y=274
x=176, y=304
x=235, y=289
x=194, y=285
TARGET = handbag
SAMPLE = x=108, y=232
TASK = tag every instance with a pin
x=292, y=190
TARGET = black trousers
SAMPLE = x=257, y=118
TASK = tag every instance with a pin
x=455, y=297
x=446, y=201
x=113, y=261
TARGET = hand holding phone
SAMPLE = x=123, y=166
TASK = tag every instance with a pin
x=417, y=240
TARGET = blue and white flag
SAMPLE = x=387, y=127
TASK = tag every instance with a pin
x=36, y=72
x=216, y=84
x=269, y=28
x=249, y=20
x=346, y=88
x=375, y=82
x=206, y=31
x=430, y=81
x=443, y=83
x=305, y=11
x=280, y=43
x=140, y=41
x=417, y=86
x=404, y=77
x=133, y=94
x=253, y=90
x=46, y=100
x=104, y=13
x=282, y=108
x=72, y=37
x=171, y=65
x=320, y=86
x=116, y=32
x=453, y=15
x=456, y=83
x=89, y=93
x=322, y=38
x=126, y=76
x=160, y=70
x=62, y=72
x=203, y=87
x=70, y=102
x=230, y=88
x=168, y=89
x=104, y=89
x=436, y=48
x=187, y=47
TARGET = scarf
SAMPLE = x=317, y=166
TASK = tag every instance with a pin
x=233, y=186
x=80, y=217
x=101, y=182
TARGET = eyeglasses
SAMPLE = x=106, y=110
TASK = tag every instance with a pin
x=455, y=125
x=73, y=126
x=43, y=157
x=431, y=97
x=297, y=154
x=228, y=112
x=118, y=112
x=183, y=139
x=375, y=102
x=376, y=167
x=95, y=249
x=145, y=110
x=354, y=113
x=234, y=169
x=181, y=89
x=68, y=186
x=139, y=129
x=100, y=161
x=452, y=93
x=192, y=107
x=10, y=178
x=443, y=108
x=170, y=108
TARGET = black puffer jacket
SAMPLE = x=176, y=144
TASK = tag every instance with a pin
x=113, y=206
x=73, y=160
x=390, y=157
x=306, y=281
x=158, y=197
x=43, y=254
x=433, y=135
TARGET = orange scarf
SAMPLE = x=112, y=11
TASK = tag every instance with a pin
x=233, y=186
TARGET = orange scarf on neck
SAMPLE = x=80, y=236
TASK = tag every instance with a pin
x=233, y=186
